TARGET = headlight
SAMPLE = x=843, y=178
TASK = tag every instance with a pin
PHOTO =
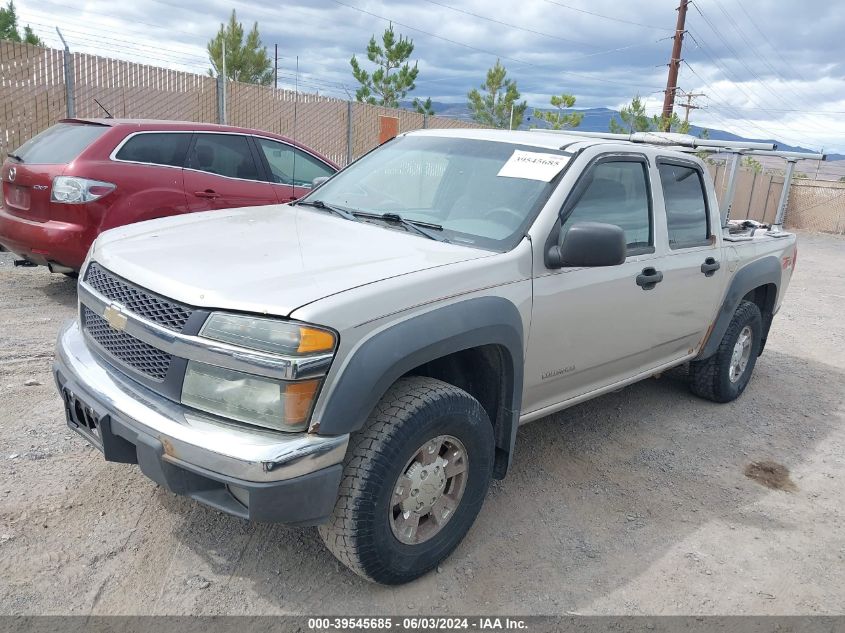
x=273, y=404
x=267, y=335
x=72, y=190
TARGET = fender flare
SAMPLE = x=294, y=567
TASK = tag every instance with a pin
x=761, y=272
x=389, y=354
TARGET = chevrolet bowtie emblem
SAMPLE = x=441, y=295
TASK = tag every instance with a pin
x=114, y=317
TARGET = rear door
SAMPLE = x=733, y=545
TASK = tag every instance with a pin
x=223, y=172
x=694, y=274
x=148, y=170
x=291, y=170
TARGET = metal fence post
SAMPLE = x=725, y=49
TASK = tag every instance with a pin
x=221, y=99
x=731, y=190
x=425, y=120
x=348, y=132
x=69, y=85
x=784, y=193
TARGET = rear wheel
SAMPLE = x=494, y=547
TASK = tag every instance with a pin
x=724, y=376
x=414, y=480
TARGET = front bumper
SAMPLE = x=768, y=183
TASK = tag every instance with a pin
x=246, y=471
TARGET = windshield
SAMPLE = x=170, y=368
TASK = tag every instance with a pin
x=59, y=144
x=455, y=183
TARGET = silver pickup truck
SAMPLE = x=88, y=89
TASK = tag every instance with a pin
x=361, y=360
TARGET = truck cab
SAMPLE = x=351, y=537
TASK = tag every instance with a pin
x=362, y=361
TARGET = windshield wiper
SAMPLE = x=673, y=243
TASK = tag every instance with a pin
x=319, y=204
x=15, y=157
x=419, y=227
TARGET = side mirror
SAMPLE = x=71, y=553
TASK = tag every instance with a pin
x=318, y=181
x=588, y=244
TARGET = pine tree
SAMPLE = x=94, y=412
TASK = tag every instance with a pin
x=246, y=59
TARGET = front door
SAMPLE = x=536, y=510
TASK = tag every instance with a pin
x=222, y=173
x=592, y=327
x=291, y=170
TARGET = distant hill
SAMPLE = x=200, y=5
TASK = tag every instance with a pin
x=598, y=120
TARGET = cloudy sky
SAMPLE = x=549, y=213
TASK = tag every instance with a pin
x=768, y=68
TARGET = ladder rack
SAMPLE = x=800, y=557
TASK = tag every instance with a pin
x=692, y=144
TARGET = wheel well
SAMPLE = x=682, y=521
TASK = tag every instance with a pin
x=484, y=373
x=764, y=297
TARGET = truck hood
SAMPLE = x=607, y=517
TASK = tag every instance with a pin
x=270, y=259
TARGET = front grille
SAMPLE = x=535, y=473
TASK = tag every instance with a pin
x=142, y=302
x=136, y=354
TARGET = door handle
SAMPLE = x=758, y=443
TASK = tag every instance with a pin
x=649, y=278
x=208, y=193
x=710, y=266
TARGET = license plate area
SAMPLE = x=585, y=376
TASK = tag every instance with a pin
x=82, y=418
x=18, y=197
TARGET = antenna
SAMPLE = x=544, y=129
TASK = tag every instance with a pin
x=103, y=108
x=295, y=102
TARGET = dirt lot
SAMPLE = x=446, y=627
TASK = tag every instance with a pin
x=646, y=501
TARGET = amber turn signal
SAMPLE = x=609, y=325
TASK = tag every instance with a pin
x=312, y=340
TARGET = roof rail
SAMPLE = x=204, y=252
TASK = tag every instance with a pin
x=668, y=138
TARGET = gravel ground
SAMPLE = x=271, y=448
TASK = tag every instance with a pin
x=640, y=502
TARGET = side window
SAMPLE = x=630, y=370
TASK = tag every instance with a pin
x=616, y=193
x=224, y=155
x=280, y=156
x=166, y=148
x=686, y=206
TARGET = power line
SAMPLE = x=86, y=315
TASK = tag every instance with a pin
x=748, y=42
x=607, y=17
x=476, y=49
x=737, y=56
x=736, y=84
x=508, y=24
x=713, y=91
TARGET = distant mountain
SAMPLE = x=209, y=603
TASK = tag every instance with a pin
x=598, y=120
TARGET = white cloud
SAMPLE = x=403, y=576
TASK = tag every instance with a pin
x=788, y=84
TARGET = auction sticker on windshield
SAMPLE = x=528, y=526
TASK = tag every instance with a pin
x=533, y=165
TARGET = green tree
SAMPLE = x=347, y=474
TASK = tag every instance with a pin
x=753, y=164
x=9, y=27
x=246, y=59
x=393, y=77
x=842, y=179
x=559, y=120
x=423, y=107
x=635, y=119
x=493, y=106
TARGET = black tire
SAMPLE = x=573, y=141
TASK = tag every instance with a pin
x=412, y=412
x=710, y=378
x=73, y=275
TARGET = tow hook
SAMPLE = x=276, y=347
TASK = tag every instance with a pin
x=25, y=263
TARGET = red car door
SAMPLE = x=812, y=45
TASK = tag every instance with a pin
x=291, y=169
x=222, y=173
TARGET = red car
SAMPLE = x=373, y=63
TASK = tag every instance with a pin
x=80, y=177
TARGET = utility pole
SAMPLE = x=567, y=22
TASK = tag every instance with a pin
x=674, y=65
x=689, y=96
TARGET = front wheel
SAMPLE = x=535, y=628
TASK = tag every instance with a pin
x=414, y=480
x=724, y=376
